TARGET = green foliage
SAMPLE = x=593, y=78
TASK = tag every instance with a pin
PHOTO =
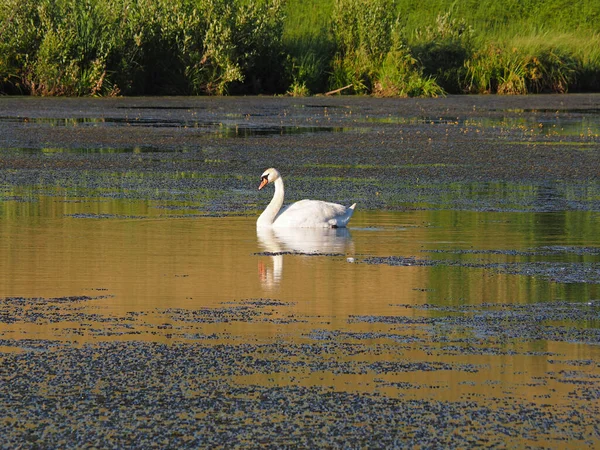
x=443, y=49
x=308, y=43
x=512, y=77
x=71, y=58
x=362, y=33
x=309, y=67
x=542, y=68
x=551, y=70
x=363, y=26
x=299, y=47
x=19, y=43
x=400, y=76
x=494, y=19
x=371, y=55
x=257, y=31
x=298, y=89
x=101, y=47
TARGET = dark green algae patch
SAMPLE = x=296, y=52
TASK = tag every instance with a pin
x=187, y=393
x=555, y=271
x=175, y=396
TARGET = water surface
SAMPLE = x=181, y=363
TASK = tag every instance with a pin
x=461, y=307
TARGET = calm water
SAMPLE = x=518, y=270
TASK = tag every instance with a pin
x=499, y=307
x=151, y=266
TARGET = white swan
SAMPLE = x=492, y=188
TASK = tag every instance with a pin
x=302, y=214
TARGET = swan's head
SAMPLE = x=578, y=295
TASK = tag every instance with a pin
x=269, y=176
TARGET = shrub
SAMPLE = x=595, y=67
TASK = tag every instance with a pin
x=551, y=70
x=98, y=47
x=19, y=43
x=362, y=33
x=443, y=50
x=522, y=71
x=256, y=37
x=400, y=76
x=371, y=55
x=309, y=62
x=135, y=47
x=71, y=58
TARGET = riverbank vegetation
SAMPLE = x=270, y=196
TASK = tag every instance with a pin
x=298, y=47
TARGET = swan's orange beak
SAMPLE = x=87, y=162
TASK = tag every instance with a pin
x=263, y=183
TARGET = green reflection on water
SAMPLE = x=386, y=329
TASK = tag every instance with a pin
x=585, y=126
x=225, y=129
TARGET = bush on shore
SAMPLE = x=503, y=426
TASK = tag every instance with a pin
x=299, y=47
x=105, y=47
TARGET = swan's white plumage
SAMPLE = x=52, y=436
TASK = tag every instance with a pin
x=302, y=214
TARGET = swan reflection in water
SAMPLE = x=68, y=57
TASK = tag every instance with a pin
x=276, y=242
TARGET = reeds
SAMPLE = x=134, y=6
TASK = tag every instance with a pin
x=540, y=66
x=103, y=47
x=378, y=47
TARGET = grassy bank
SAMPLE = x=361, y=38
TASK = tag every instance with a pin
x=380, y=47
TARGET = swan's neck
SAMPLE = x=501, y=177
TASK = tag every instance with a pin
x=268, y=216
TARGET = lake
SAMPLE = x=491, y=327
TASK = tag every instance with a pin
x=141, y=307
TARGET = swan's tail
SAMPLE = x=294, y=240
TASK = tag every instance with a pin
x=349, y=213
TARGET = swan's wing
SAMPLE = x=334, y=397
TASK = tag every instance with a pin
x=314, y=213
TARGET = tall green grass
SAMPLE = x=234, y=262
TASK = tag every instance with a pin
x=299, y=47
x=308, y=44
x=103, y=47
x=535, y=64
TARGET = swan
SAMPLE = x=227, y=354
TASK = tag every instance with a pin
x=302, y=214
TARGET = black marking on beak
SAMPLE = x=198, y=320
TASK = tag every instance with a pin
x=264, y=181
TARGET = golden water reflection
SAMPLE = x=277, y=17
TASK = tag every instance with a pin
x=276, y=242
x=148, y=276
